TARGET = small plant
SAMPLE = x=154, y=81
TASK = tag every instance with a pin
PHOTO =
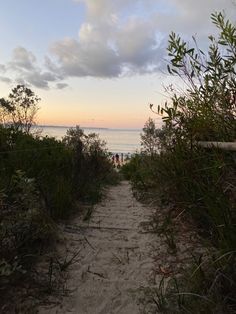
x=170, y=241
x=160, y=297
x=68, y=261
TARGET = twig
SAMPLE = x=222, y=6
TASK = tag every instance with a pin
x=89, y=243
x=65, y=264
x=95, y=273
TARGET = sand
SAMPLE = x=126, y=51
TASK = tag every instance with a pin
x=121, y=261
x=115, y=264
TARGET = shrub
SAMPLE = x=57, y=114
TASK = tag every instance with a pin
x=42, y=180
x=200, y=181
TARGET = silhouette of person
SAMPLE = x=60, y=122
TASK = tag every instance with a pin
x=117, y=159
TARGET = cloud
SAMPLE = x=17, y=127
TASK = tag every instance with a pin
x=117, y=38
x=137, y=44
x=129, y=36
x=97, y=60
x=61, y=85
x=23, y=59
x=39, y=79
x=26, y=70
x=108, y=46
x=190, y=17
x=5, y=79
x=105, y=8
x=2, y=68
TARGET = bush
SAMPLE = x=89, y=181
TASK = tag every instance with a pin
x=42, y=180
x=200, y=181
x=25, y=227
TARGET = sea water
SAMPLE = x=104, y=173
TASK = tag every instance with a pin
x=118, y=140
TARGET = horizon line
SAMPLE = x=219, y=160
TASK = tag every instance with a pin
x=84, y=127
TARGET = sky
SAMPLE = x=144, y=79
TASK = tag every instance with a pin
x=97, y=63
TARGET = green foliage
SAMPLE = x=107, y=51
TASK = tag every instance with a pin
x=64, y=171
x=206, y=111
x=20, y=109
x=202, y=182
x=91, y=163
x=136, y=171
x=42, y=180
x=25, y=227
x=45, y=160
x=150, y=137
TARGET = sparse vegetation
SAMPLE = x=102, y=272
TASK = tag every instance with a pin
x=42, y=180
x=201, y=182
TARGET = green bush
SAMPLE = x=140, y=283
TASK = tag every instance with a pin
x=200, y=181
x=41, y=181
x=25, y=226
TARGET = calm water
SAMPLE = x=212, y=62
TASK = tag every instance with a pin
x=118, y=140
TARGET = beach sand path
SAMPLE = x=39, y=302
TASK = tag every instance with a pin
x=115, y=262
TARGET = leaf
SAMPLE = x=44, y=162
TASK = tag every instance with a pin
x=168, y=68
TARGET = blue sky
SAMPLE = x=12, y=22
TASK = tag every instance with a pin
x=91, y=61
x=26, y=23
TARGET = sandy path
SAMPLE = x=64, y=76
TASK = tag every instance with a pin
x=115, y=263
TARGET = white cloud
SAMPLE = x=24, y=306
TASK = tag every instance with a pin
x=108, y=45
x=124, y=36
x=39, y=79
x=24, y=67
x=117, y=38
x=93, y=59
x=136, y=42
x=23, y=59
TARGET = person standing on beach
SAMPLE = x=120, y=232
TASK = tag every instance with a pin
x=117, y=160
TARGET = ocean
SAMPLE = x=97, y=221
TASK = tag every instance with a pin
x=118, y=140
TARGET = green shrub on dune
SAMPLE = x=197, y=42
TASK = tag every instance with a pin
x=42, y=179
x=200, y=181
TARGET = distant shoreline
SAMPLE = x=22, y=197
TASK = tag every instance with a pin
x=86, y=127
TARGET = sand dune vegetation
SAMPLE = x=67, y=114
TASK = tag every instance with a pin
x=197, y=183
x=43, y=181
